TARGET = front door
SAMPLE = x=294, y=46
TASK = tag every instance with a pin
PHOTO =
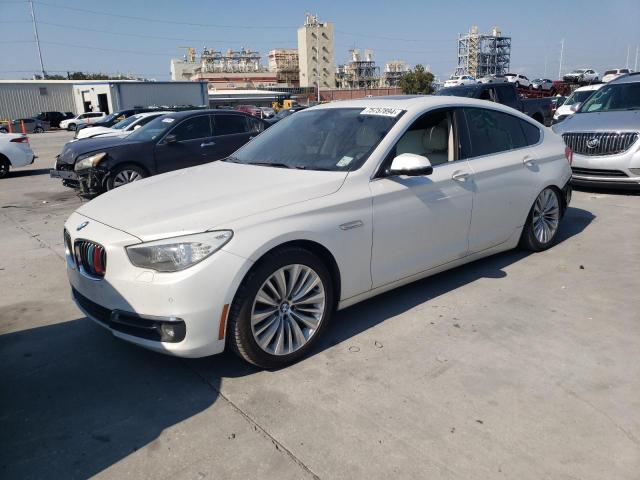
x=192, y=145
x=422, y=222
x=230, y=131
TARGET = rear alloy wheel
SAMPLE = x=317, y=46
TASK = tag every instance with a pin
x=542, y=224
x=281, y=308
x=38, y=130
x=4, y=167
x=125, y=175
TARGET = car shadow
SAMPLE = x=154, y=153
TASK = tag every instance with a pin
x=76, y=400
x=28, y=173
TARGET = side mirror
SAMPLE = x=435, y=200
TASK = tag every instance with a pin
x=171, y=139
x=575, y=107
x=411, y=165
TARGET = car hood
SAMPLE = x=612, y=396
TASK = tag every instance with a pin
x=72, y=150
x=601, y=121
x=94, y=130
x=201, y=198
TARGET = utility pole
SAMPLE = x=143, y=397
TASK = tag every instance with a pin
x=318, y=56
x=561, y=54
x=35, y=33
x=628, y=49
x=545, y=66
x=635, y=65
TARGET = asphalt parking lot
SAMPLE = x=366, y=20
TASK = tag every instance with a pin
x=517, y=366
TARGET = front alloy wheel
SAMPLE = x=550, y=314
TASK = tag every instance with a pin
x=288, y=309
x=542, y=224
x=281, y=308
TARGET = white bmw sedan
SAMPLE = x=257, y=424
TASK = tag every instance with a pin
x=326, y=208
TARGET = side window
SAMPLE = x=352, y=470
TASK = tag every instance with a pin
x=228, y=124
x=255, y=125
x=431, y=136
x=489, y=94
x=507, y=95
x=531, y=133
x=493, y=132
x=193, y=128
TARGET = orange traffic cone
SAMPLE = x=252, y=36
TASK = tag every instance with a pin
x=24, y=130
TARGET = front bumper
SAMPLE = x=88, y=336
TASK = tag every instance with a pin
x=133, y=302
x=622, y=170
x=90, y=182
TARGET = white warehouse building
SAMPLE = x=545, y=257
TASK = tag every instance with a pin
x=25, y=98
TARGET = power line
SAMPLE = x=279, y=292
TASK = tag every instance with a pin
x=172, y=22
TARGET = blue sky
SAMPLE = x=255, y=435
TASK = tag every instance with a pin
x=596, y=33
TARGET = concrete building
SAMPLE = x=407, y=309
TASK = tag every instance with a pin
x=24, y=98
x=285, y=63
x=183, y=70
x=316, y=53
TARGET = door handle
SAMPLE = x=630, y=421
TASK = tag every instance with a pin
x=460, y=176
x=529, y=161
x=207, y=144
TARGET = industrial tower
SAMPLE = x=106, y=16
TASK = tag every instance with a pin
x=483, y=54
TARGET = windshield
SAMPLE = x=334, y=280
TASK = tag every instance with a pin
x=457, y=92
x=126, y=122
x=152, y=130
x=335, y=139
x=578, y=96
x=610, y=98
x=579, y=71
x=108, y=118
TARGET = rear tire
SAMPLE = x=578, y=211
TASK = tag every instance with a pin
x=272, y=327
x=38, y=130
x=71, y=127
x=5, y=165
x=541, y=228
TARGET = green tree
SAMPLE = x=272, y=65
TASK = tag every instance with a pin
x=417, y=81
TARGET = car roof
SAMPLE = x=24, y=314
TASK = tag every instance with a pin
x=414, y=102
x=189, y=113
x=589, y=87
x=627, y=78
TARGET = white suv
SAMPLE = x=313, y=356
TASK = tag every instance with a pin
x=519, y=79
x=82, y=119
x=615, y=73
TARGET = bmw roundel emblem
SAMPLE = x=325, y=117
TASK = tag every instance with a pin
x=81, y=226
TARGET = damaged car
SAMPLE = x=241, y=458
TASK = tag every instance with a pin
x=167, y=143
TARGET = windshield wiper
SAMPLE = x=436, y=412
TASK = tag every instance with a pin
x=270, y=164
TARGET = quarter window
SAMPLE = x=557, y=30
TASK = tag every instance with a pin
x=193, y=128
x=230, y=124
x=531, y=132
x=255, y=125
x=491, y=131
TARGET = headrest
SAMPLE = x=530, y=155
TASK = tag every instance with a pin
x=366, y=136
x=436, y=138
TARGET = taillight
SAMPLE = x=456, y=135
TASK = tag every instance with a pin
x=20, y=140
x=568, y=153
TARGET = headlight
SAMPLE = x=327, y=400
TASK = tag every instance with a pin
x=177, y=253
x=88, y=162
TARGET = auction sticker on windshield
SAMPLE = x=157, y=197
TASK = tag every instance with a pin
x=383, y=111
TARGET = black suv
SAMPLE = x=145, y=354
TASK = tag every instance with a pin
x=173, y=141
x=54, y=118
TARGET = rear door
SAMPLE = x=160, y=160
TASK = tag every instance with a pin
x=192, y=136
x=504, y=167
x=230, y=132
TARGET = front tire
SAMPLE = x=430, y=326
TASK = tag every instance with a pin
x=38, y=130
x=281, y=308
x=71, y=127
x=123, y=175
x=541, y=228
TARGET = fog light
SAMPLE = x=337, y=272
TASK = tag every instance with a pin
x=635, y=171
x=168, y=332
